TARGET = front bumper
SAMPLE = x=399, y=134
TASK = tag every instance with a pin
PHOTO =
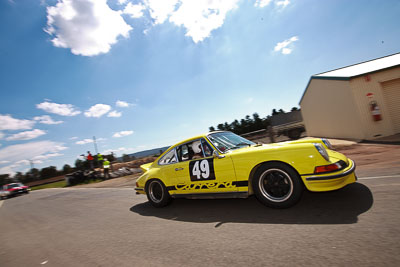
x=320, y=183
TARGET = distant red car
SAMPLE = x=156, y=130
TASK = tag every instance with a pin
x=14, y=189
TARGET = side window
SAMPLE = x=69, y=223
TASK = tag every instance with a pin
x=183, y=152
x=206, y=148
x=189, y=151
x=168, y=158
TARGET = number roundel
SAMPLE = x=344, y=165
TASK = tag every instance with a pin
x=202, y=170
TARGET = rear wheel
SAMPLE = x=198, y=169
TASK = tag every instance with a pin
x=157, y=193
x=277, y=185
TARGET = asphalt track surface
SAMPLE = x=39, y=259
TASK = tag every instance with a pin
x=358, y=225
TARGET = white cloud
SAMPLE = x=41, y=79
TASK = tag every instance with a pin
x=47, y=156
x=88, y=141
x=73, y=138
x=122, y=104
x=84, y=142
x=118, y=150
x=21, y=152
x=97, y=110
x=201, y=17
x=286, y=46
x=114, y=114
x=160, y=10
x=22, y=162
x=46, y=119
x=59, y=109
x=4, y=162
x=1, y=135
x=262, y=3
x=283, y=3
x=249, y=100
x=122, y=134
x=278, y=3
x=9, y=123
x=87, y=27
x=121, y=2
x=135, y=11
x=27, y=135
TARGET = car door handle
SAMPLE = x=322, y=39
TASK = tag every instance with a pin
x=178, y=169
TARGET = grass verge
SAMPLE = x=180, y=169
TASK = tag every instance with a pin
x=58, y=184
x=62, y=184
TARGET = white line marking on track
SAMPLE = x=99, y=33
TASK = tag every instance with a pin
x=1, y=203
x=379, y=177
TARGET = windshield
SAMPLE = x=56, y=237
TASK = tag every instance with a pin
x=14, y=185
x=225, y=141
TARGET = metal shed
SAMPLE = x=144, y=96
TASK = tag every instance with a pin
x=360, y=101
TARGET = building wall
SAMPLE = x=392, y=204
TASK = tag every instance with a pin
x=329, y=111
x=373, y=83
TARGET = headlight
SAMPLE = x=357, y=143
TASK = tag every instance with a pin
x=321, y=149
x=327, y=143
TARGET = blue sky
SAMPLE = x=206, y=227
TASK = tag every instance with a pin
x=145, y=74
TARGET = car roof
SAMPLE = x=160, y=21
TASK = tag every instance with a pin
x=190, y=139
x=196, y=137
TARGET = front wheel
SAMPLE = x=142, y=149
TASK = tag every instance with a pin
x=157, y=193
x=277, y=185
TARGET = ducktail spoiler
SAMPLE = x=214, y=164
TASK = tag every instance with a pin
x=145, y=167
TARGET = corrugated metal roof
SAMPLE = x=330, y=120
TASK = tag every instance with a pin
x=363, y=68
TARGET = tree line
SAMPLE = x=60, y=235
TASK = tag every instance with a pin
x=35, y=174
x=248, y=123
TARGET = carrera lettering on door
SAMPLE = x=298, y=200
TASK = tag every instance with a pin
x=201, y=170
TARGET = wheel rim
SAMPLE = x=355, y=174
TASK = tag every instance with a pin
x=276, y=185
x=156, y=191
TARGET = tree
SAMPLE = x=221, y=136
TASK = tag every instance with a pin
x=294, y=109
x=227, y=127
x=257, y=122
x=4, y=179
x=212, y=129
x=48, y=172
x=79, y=164
x=235, y=126
x=220, y=127
x=67, y=169
x=32, y=175
x=19, y=176
x=274, y=112
x=126, y=158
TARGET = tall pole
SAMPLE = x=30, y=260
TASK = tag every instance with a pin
x=95, y=145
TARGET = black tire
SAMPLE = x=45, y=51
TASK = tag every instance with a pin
x=277, y=185
x=157, y=193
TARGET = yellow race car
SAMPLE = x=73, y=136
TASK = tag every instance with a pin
x=223, y=165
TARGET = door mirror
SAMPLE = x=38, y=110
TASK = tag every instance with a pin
x=217, y=155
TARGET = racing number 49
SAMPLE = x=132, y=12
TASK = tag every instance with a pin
x=201, y=169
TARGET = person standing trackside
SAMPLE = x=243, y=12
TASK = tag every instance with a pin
x=100, y=160
x=106, y=168
x=90, y=159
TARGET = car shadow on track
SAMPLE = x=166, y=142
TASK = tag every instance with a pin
x=337, y=207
